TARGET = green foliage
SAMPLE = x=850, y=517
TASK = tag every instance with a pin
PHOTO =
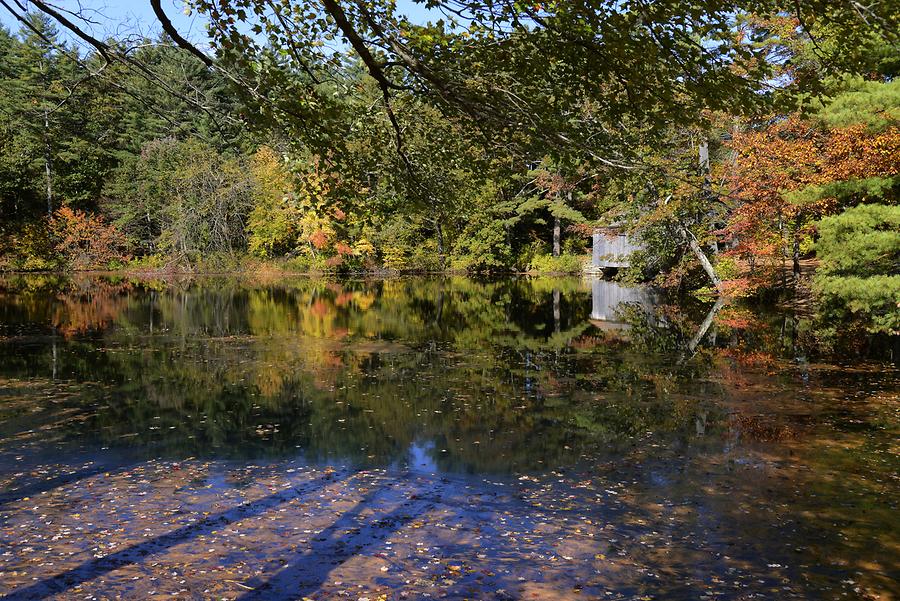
x=857, y=100
x=554, y=77
x=872, y=301
x=152, y=262
x=182, y=198
x=858, y=280
x=484, y=244
x=868, y=190
x=405, y=245
x=478, y=147
x=727, y=268
x=273, y=224
x=862, y=241
x=565, y=263
x=30, y=248
x=307, y=264
x=68, y=121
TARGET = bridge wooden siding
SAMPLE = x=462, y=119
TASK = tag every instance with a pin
x=611, y=248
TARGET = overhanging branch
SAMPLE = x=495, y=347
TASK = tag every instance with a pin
x=177, y=37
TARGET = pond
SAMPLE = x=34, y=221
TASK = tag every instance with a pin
x=407, y=438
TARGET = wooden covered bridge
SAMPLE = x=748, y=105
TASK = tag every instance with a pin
x=611, y=248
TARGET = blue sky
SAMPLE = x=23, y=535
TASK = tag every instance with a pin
x=136, y=16
x=124, y=15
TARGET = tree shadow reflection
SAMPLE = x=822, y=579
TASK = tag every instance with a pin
x=137, y=553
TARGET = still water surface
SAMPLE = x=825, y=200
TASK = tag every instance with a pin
x=445, y=437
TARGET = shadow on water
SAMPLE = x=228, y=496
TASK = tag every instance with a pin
x=342, y=540
x=45, y=485
x=160, y=544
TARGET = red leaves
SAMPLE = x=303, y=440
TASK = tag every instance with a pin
x=319, y=239
x=342, y=248
x=86, y=240
x=792, y=155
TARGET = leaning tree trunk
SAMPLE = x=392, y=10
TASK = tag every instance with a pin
x=691, y=349
x=701, y=257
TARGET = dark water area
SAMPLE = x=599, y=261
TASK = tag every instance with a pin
x=523, y=438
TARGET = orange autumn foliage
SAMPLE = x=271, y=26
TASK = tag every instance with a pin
x=85, y=240
x=319, y=239
x=342, y=248
x=789, y=156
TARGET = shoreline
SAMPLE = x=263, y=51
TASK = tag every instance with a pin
x=379, y=273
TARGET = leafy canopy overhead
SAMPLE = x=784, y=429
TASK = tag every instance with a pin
x=545, y=78
x=562, y=73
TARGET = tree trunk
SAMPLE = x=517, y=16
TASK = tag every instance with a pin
x=796, y=257
x=691, y=348
x=703, y=157
x=557, y=231
x=440, y=242
x=703, y=165
x=48, y=166
x=701, y=256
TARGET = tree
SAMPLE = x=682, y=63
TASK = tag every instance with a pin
x=509, y=68
x=33, y=89
x=556, y=192
x=796, y=170
x=293, y=213
x=182, y=198
x=61, y=144
x=86, y=241
x=859, y=280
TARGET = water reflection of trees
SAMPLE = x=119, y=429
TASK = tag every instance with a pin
x=491, y=374
x=479, y=376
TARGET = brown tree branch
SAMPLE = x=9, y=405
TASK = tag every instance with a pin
x=177, y=37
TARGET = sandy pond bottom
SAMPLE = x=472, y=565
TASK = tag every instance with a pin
x=197, y=530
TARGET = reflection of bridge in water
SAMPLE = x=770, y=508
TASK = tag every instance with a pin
x=606, y=298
